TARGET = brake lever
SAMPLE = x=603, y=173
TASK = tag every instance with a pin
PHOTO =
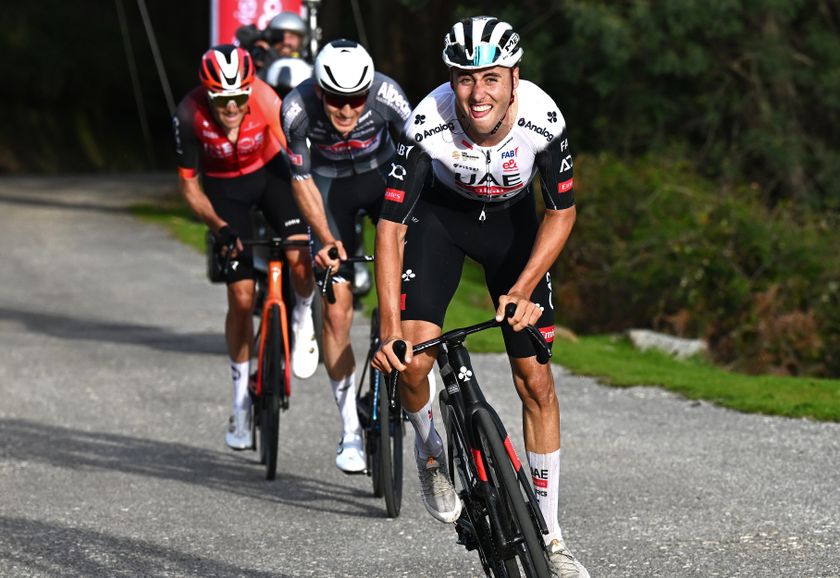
x=540, y=345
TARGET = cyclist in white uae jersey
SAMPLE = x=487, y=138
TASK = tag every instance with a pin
x=483, y=137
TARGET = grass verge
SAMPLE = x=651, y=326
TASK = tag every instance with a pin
x=613, y=360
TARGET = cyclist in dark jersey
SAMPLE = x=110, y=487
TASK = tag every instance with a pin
x=345, y=114
x=227, y=130
x=482, y=137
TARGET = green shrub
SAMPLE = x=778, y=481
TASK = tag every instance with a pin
x=657, y=246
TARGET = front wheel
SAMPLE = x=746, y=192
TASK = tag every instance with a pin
x=515, y=519
x=273, y=389
x=388, y=459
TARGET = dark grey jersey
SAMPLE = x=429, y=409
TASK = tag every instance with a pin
x=315, y=145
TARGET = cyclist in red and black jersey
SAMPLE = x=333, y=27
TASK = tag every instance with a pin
x=227, y=130
x=483, y=136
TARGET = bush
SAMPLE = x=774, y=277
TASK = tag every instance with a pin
x=657, y=246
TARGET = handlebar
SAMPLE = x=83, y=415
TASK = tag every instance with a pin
x=326, y=284
x=272, y=242
x=457, y=336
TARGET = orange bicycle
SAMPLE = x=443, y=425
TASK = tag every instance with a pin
x=272, y=388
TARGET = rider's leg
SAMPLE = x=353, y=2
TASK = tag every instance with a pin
x=341, y=369
x=415, y=391
x=239, y=334
x=305, y=351
x=541, y=427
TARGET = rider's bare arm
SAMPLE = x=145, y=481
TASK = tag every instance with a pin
x=552, y=235
x=199, y=203
x=389, y=259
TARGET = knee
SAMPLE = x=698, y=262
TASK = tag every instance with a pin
x=337, y=318
x=415, y=374
x=241, y=303
x=537, y=390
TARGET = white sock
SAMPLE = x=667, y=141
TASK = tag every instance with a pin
x=239, y=372
x=302, y=308
x=545, y=474
x=426, y=438
x=344, y=392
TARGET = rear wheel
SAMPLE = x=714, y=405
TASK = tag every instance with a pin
x=528, y=555
x=273, y=389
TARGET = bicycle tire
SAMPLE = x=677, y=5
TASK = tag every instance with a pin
x=531, y=552
x=273, y=375
x=477, y=535
x=390, y=452
x=374, y=435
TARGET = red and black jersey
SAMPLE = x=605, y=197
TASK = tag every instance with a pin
x=201, y=143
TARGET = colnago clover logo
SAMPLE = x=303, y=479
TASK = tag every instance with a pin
x=552, y=116
x=464, y=374
x=408, y=275
x=420, y=119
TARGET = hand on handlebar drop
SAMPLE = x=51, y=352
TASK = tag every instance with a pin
x=527, y=312
x=386, y=360
x=326, y=256
x=227, y=239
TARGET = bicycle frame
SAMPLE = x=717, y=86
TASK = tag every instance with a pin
x=466, y=399
x=274, y=296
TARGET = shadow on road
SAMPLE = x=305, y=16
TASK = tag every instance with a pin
x=75, y=329
x=239, y=474
x=28, y=546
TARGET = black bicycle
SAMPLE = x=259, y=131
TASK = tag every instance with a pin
x=380, y=414
x=500, y=518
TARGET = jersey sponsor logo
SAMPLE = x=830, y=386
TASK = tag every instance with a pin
x=465, y=167
x=420, y=119
x=567, y=163
x=528, y=125
x=404, y=150
x=487, y=185
x=219, y=150
x=296, y=160
x=346, y=146
x=394, y=195
x=446, y=126
x=397, y=171
x=510, y=165
x=564, y=144
x=547, y=333
x=408, y=275
x=565, y=186
x=552, y=116
x=510, y=154
x=210, y=134
x=291, y=222
x=389, y=95
x=176, y=125
x=458, y=155
x=292, y=112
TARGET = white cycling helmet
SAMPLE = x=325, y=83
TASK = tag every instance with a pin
x=479, y=42
x=344, y=67
x=285, y=21
x=284, y=74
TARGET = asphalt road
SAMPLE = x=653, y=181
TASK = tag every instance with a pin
x=114, y=396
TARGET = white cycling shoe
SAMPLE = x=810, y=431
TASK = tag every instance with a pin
x=350, y=454
x=305, y=350
x=238, y=436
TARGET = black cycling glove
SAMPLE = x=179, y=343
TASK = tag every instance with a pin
x=225, y=237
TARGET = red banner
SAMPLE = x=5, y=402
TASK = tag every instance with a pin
x=228, y=15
